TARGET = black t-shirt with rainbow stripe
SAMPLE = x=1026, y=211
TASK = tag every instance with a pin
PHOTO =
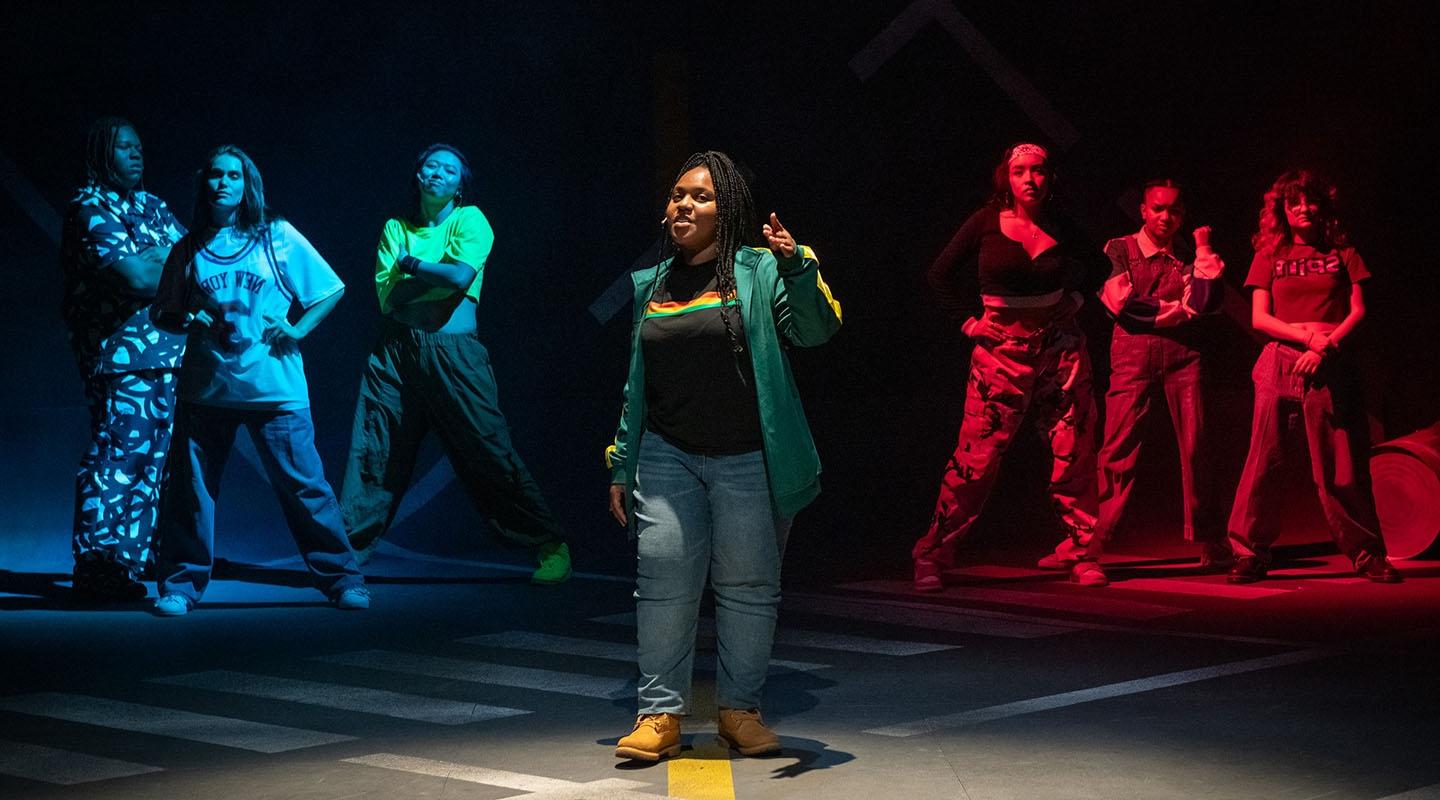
x=699, y=392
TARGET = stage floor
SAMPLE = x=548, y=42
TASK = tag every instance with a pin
x=465, y=682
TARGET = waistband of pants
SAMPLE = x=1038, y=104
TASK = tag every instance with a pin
x=398, y=331
x=1044, y=336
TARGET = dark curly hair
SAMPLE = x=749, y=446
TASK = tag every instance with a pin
x=1274, y=231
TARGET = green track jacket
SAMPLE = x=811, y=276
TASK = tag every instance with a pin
x=792, y=294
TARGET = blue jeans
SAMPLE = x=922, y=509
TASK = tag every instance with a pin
x=285, y=441
x=696, y=514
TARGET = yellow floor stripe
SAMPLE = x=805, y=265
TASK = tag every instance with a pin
x=702, y=773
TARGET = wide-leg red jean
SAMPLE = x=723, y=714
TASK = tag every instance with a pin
x=1144, y=368
x=1335, y=431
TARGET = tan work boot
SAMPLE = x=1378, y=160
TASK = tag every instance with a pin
x=656, y=736
x=744, y=730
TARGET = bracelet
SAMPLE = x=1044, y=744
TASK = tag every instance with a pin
x=408, y=264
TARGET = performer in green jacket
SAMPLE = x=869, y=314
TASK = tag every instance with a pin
x=713, y=457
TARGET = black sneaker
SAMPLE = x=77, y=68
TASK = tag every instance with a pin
x=1247, y=570
x=1380, y=570
x=1216, y=557
x=98, y=578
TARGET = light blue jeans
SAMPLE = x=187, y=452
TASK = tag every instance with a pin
x=696, y=514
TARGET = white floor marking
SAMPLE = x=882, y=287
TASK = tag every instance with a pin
x=917, y=615
x=224, y=731
x=1423, y=793
x=543, y=680
x=901, y=612
x=49, y=765
x=857, y=644
x=563, y=645
x=1075, y=602
x=932, y=617
x=1064, y=699
x=821, y=640
x=347, y=698
x=610, y=651
x=534, y=785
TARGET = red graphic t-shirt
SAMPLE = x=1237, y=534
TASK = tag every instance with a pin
x=1306, y=284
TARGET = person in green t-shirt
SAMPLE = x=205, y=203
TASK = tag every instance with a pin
x=429, y=372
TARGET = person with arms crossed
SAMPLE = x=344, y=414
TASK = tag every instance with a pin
x=115, y=241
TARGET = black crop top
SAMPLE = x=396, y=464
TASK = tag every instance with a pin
x=1005, y=271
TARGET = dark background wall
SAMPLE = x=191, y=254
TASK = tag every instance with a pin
x=574, y=117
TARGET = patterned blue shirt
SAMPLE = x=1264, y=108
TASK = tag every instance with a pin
x=110, y=328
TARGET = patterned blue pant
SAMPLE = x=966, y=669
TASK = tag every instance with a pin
x=117, y=489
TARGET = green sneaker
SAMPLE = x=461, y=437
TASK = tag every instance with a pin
x=554, y=564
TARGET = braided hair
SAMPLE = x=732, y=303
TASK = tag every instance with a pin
x=100, y=149
x=735, y=227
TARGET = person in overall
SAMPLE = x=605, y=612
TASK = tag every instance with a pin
x=430, y=372
x=713, y=457
x=1158, y=289
x=231, y=284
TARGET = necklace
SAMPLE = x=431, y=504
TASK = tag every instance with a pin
x=1028, y=223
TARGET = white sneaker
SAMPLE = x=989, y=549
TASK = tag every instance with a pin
x=173, y=604
x=356, y=598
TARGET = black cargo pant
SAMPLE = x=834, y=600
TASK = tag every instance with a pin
x=416, y=382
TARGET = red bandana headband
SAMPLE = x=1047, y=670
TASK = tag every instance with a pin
x=1028, y=150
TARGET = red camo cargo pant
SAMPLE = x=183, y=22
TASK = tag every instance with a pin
x=1335, y=431
x=1048, y=373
